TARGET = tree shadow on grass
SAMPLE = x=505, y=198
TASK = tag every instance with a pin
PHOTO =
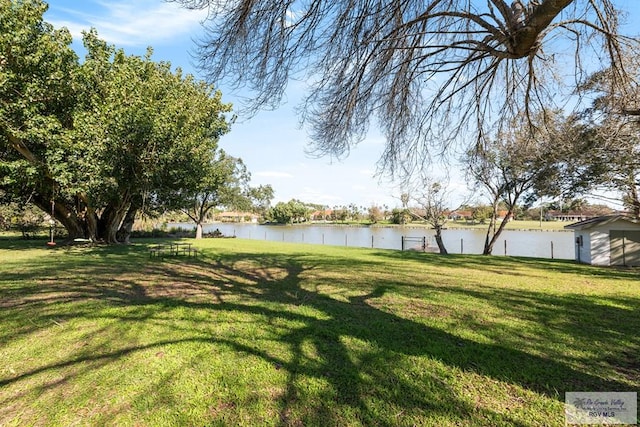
x=509, y=264
x=362, y=353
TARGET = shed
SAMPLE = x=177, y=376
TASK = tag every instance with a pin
x=607, y=240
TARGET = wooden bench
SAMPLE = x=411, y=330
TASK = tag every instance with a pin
x=157, y=251
x=173, y=249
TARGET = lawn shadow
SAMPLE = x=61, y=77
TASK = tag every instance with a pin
x=269, y=286
x=505, y=264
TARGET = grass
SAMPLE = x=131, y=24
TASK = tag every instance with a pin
x=516, y=225
x=511, y=225
x=264, y=333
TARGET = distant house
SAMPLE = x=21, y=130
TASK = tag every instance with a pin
x=502, y=215
x=567, y=216
x=460, y=215
x=581, y=215
x=607, y=240
x=237, y=217
x=324, y=215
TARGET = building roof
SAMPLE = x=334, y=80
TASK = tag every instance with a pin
x=601, y=220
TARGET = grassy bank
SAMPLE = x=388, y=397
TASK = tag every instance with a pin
x=515, y=225
x=511, y=225
x=263, y=333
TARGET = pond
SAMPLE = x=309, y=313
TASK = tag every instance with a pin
x=528, y=243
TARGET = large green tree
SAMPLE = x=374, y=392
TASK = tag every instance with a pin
x=260, y=197
x=97, y=142
x=37, y=104
x=226, y=183
x=293, y=211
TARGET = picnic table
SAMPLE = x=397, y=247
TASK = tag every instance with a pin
x=173, y=249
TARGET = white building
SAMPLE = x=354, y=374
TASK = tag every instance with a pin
x=607, y=240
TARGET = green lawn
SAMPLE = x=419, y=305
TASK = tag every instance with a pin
x=262, y=333
x=511, y=225
x=515, y=225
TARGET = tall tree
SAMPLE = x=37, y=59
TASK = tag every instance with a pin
x=37, y=103
x=433, y=198
x=94, y=143
x=611, y=129
x=225, y=183
x=260, y=197
x=513, y=166
x=293, y=211
x=156, y=131
x=427, y=71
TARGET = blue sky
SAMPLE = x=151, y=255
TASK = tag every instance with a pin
x=271, y=143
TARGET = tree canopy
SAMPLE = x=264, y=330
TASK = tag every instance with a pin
x=225, y=184
x=293, y=211
x=429, y=72
x=93, y=143
x=521, y=162
x=432, y=197
x=610, y=138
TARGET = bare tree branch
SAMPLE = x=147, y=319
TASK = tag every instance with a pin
x=429, y=73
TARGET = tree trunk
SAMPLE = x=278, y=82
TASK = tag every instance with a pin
x=199, y=230
x=524, y=40
x=91, y=225
x=440, y=242
x=111, y=218
x=111, y=227
x=489, y=239
x=61, y=212
x=634, y=201
x=82, y=221
x=124, y=233
x=488, y=244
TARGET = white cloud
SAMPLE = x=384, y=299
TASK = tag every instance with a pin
x=133, y=23
x=316, y=195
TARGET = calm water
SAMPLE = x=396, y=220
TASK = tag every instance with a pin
x=539, y=244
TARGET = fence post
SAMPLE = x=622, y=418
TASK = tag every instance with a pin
x=402, y=243
x=346, y=242
x=505, y=247
x=552, y=249
x=424, y=243
x=372, y=241
x=461, y=245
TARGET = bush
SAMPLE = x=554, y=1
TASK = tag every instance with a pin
x=400, y=216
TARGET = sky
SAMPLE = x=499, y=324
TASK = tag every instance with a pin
x=271, y=143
